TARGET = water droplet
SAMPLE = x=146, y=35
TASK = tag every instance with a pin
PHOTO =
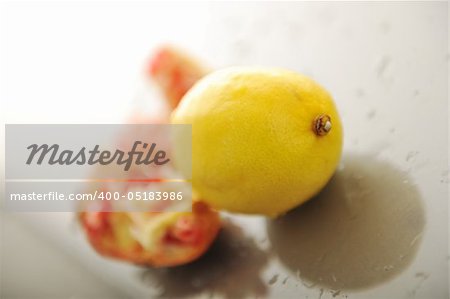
x=197, y=282
x=336, y=293
x=382, y=65
x=371, y=114
x=273, y=280
x=388, y=268
x=411, y=155
x=360, y=92
x=422, y=275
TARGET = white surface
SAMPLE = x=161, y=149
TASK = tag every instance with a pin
x=386, y=66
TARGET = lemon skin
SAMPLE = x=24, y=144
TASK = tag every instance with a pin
x=254, y=146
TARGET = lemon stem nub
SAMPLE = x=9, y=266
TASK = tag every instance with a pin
x=322, y=125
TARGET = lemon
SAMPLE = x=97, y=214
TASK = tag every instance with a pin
x=263, y=140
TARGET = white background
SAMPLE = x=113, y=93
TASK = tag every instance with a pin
x=385, y=64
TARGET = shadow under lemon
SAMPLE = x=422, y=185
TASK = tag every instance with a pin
x=231, y=268
x=363, y=229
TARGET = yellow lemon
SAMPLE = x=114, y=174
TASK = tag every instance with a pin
x=263, y=140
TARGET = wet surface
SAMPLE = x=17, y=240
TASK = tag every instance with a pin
x=362, y=230
x=232, y=268
x=391, y=58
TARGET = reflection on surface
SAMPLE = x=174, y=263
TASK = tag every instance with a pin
x=231, y=268
x=362, y=229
